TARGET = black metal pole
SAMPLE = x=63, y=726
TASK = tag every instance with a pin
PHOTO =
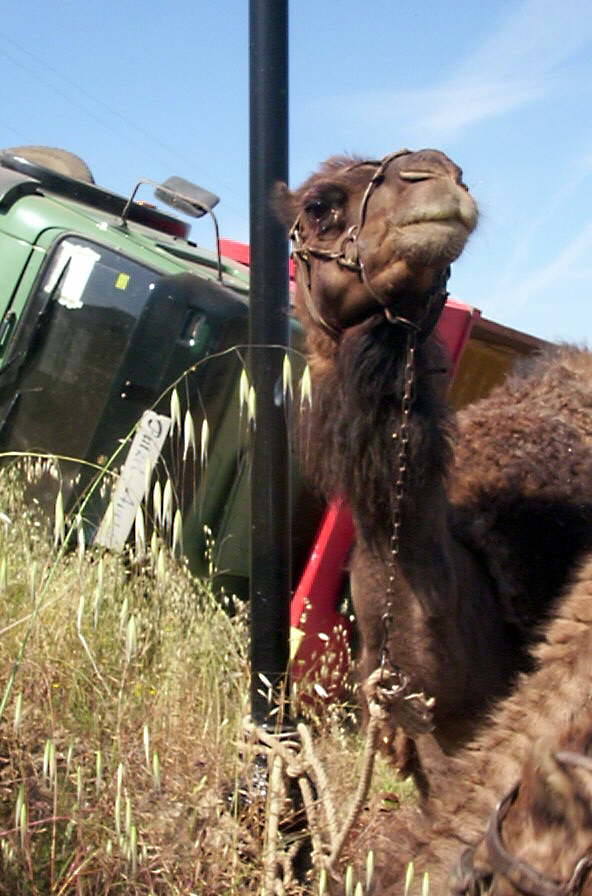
x=269, y=326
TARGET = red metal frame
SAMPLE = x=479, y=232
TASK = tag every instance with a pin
x=242, y=252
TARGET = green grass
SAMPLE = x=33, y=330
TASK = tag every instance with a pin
x=125, y=687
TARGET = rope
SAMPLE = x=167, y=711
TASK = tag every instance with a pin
x=270, y=859
x=292, y=757
x=370, y=749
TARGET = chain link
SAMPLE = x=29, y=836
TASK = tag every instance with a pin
x=401, y=437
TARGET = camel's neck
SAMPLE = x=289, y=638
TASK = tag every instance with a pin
x=351, y=443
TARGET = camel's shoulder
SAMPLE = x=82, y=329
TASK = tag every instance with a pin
x=533, y=432
x=558, y=378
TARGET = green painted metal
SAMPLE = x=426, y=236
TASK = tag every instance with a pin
x=185, y=276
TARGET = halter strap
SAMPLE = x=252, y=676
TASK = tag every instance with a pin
x=522, y=876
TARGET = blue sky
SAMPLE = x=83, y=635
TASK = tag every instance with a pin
x=141, y=89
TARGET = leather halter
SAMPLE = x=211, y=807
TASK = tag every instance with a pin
x=348, y=256
x=470, y=881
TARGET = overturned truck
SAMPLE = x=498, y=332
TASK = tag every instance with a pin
x=107, y=310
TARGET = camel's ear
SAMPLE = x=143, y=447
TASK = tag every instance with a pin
x=283, y=203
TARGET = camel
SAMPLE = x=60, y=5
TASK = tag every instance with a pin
x=534, y=758
x=466, y=529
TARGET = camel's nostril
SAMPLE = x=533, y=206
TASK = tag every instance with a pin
x=416, y=176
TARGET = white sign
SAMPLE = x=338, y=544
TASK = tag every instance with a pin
x=80, y=261
x=131, y=487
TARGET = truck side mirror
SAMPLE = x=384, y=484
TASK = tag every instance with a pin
x=186, y=197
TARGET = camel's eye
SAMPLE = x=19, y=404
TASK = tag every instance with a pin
x=317, y=209
x=324, y=208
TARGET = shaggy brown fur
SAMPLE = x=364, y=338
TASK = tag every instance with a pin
x=496, y=514
x=550, y=825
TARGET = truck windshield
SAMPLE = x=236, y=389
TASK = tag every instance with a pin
x=87, y=306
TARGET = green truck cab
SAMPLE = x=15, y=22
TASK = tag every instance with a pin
x=104, y=303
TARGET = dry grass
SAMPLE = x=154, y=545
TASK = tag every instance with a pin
x=125, y=689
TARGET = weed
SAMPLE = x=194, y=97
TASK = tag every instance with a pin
x=126, y=687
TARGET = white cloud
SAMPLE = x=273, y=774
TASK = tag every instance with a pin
x=544, y=217
x=457, y=105
x=556, y=273
x=519, y=63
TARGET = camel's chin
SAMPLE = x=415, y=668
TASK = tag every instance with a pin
x=433, y=243
x=404, y=271
x=404, y=281
x=351, y=317
x=400, y=287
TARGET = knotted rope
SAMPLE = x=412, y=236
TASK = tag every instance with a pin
x=291, y=757
x=294, y=758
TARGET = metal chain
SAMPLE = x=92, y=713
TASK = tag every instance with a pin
x=401, y=437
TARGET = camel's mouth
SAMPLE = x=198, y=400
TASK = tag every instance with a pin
x=402, y=270
x=457, y=209
x=451, y=221
x=444, y=211
x=432, y=233
x=432, y=239
x=412, y=257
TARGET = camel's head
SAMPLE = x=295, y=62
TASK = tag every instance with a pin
x=539, y=840
x=369, y=234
